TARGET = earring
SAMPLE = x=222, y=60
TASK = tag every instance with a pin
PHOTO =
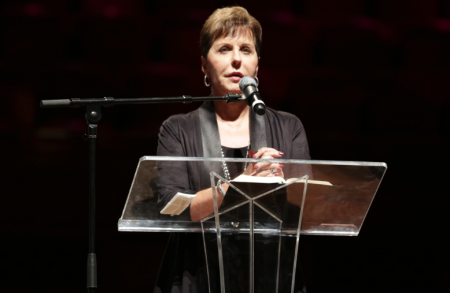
x=257, y=81
x=206, y=83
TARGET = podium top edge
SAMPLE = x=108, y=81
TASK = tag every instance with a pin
x=311, y=162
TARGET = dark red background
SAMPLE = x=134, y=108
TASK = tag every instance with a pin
x=368, y=79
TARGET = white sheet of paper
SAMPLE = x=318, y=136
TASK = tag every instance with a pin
x=178, y=204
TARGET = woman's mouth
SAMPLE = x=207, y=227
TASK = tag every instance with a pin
x=235, y=76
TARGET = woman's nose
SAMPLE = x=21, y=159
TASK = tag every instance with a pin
x=236, y=62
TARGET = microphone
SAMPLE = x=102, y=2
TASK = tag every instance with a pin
x=249, y=88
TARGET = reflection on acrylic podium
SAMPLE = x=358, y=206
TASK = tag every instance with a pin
x=251, y=239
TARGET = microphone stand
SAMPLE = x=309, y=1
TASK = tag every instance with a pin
x=93, y=115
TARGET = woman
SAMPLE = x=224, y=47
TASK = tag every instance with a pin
x=230, y=44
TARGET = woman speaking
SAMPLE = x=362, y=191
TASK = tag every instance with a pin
x=230, y=43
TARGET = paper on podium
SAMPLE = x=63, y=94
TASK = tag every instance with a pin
x=280, y=180
x=178, y=204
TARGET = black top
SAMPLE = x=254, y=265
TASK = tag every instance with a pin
x=235, y=152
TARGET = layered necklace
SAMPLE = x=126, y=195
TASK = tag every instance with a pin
x=224, y=164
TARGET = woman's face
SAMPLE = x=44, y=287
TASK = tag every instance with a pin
x=228, y=60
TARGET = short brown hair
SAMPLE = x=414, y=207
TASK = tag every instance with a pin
x=229, y=21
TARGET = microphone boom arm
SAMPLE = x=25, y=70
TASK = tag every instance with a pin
x=110, y=101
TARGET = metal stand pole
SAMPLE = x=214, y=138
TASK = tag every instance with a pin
x=93, y=116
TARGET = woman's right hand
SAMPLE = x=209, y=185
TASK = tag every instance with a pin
x=265, y=169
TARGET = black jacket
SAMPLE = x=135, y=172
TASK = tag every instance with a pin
x=196, y=134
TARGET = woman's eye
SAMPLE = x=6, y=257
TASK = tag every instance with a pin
x=223, y=50
x=246, y=50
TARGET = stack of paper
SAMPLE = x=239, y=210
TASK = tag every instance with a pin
x=281, y=180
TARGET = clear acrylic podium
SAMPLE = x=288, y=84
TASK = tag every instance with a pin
x=251, y=238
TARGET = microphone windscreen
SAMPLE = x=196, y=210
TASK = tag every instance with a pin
x=246, y=81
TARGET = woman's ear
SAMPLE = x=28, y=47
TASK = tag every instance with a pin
x=204, y=69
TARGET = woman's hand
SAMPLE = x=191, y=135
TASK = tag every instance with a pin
x=265, y=153
x=263, y=169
